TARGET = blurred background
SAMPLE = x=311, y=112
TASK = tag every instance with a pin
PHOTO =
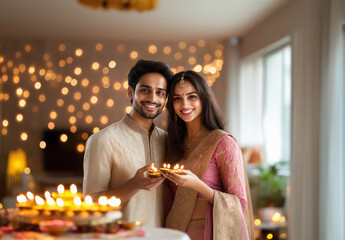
x=275, y=67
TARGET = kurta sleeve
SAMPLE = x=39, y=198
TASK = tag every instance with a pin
x=97, y=167
x=229, y=206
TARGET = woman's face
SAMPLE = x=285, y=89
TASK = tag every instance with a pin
x=186, y=102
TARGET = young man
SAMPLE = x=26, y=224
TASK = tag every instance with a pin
x=115, y=156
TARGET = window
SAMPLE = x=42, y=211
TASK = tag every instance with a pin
x=265, y=103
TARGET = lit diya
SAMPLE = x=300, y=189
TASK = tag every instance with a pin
x=177, y=169
x=154, y=172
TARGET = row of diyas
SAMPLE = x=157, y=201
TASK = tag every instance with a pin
x=66, y=203
x=154, y=172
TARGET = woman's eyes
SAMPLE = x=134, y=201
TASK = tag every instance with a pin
x=191, y=97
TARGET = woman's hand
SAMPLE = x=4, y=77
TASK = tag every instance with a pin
x=190, y=180
x=187, y=179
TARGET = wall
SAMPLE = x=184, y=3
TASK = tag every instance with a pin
x=54, y=72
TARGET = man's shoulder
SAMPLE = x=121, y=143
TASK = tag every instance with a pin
x=109, y=131
x=160, y=132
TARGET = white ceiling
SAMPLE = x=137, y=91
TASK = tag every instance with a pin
x=171, y=20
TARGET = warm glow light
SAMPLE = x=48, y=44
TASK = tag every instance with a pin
x=37, y=85
x=282, y=236
x=53, y=115
x=112, y=64
x=269, y=236
x=47, y=194
x=99, y=46
x=5, y=123
x=62, y=47
x=167, y=50
x=178, y=55
x=117, y=86
x=95, y=66
x=78, y=52
x=125, y=84
x=68, y=79
x=41, y=97
x=73, y=129
x=42, y=72
x=62, y=63
x=95, y=89
x=69, y=60
x=103, y=200
x=74, y=82
x=207, y=57
x=276, y=217
x=73, y=189
x=64, y=90
x=89, y=119
x=71, y=108
x=60, y=102
x=43, y=144
x=19, y=91
x=50, y=201
x=84, y=136
x=30, y=195
x=24, y=136
x=86, y=106
x=197, y=68
x=77, y=201
x=85, y=82
x=88, y=199
x=51, y=125
x=16, y=79
x=128, y=109
x=63, y=138
x=80, y=147
x=110, y=102
x=27, y=48
x=80, y=114
x=94, y=99
x=182, y=45
x=257, y=222
x=105, y=70
x=77, y=96
x=19, y=117
x=60, y=188
x=60, y=202
x=27, y=170
x=114, y=202
x=77, y=71
x=201, y=43
x=4, y=131
x=104, y=119
x=133, y=54
x=152, y=49
x=39, y=200
x=191, y=60
x=192, y=49
x=95, y=129
x=31, y=70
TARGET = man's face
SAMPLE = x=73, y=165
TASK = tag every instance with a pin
x=149, y=95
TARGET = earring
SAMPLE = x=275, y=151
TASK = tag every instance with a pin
x=175, y=118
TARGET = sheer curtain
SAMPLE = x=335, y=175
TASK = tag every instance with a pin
x=332, y=144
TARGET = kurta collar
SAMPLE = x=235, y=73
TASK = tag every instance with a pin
x=136, y=127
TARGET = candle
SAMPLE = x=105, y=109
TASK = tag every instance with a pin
x=103, y=201
x=166, y=168
x=89, y=205
x=179, y=170
x=154, y=172
x=39, y=204
x=114, y=203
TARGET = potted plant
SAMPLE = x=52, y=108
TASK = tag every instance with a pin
x=269, y=186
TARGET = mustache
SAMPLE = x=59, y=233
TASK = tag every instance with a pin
x=157, y=104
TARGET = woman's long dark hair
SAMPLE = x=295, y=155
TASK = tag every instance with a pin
x=210, y=115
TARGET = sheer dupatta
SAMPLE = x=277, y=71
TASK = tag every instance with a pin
x=228, y=220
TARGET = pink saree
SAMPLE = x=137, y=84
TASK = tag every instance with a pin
x=217, y=160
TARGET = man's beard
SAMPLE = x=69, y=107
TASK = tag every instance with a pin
x=149, y=115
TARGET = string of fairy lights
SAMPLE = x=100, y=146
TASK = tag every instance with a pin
x=76, y=87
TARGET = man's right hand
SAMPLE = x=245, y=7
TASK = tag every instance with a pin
x=145, y=183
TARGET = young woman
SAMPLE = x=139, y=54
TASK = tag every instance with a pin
x=212, y=199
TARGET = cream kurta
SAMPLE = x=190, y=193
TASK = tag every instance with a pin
x=113, y=155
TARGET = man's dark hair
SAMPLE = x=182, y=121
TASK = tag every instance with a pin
x=147, y=66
